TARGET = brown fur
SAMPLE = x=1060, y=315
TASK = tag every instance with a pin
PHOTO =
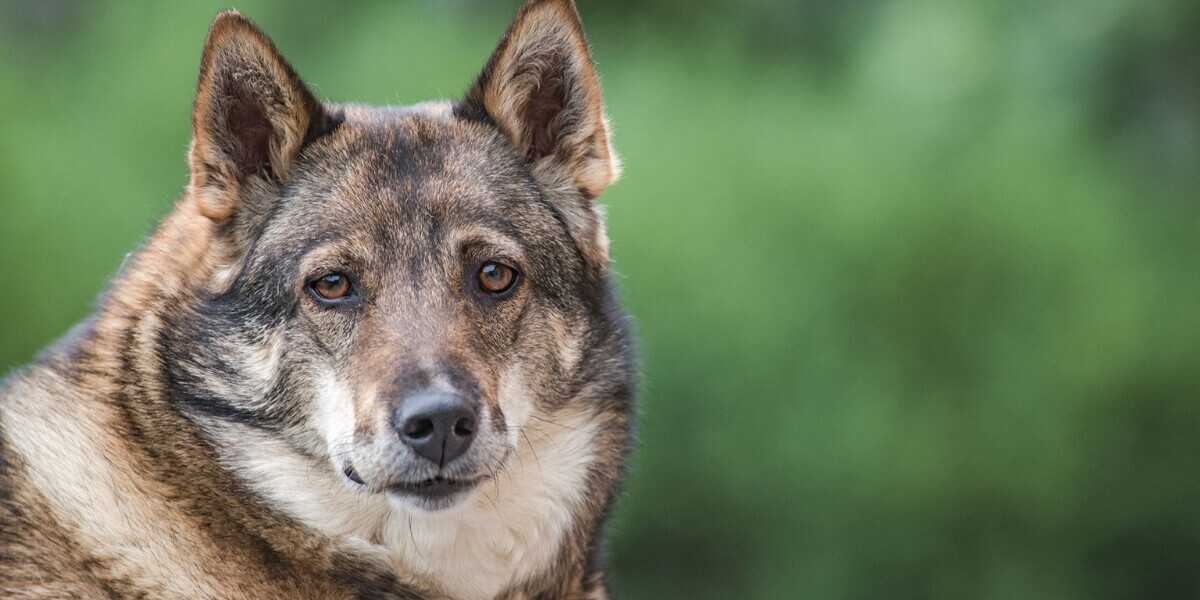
x=190, y=440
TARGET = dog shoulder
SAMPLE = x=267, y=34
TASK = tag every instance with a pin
x=39, y=558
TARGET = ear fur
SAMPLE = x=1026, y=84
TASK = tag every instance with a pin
x=541, y=89
x=252, y=116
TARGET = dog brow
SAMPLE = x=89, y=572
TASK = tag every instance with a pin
x=491, y=236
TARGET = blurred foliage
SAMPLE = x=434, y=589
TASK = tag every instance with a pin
x=916, y=280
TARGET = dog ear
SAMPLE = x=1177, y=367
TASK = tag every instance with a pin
x=540, y=87
x=252, y=116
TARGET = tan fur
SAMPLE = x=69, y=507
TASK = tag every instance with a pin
x=192, y=439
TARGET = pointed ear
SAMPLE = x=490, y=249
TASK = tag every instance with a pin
x=540, y=87
x=251, y=118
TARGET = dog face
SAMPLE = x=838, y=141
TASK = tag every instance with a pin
x=400, y=291
x=429, y=291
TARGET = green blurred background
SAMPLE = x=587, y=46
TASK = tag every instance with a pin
x=916, y=280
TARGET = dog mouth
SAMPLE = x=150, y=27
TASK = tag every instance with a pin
x=353, y=475
x=433, y=488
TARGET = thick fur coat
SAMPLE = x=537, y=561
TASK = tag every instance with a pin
x=372, y=352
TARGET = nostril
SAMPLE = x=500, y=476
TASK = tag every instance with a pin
x=464, y=427
x=418, y=428
x=435, y=425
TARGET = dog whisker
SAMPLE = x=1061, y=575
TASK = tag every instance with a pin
x=495, y=481
x=532, y=451
x=413, y=536
x=555, y=423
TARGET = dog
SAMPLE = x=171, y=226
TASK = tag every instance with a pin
x=372, y=352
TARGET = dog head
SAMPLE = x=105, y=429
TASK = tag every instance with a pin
x=399, y=292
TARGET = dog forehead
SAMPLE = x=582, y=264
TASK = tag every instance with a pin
x=414, y=162
x=395, y=182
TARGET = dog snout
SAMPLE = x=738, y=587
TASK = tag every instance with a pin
x=437, y=425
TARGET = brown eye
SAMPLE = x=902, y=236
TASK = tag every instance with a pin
x=331, y=287
x=496, y=278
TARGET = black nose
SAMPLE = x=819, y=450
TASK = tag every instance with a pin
x=436, y=425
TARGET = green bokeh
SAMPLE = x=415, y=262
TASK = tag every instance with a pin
x=916, y=281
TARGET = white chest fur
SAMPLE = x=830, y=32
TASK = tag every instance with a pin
x=506, y=532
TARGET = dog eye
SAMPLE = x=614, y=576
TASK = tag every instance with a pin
x=496, y=278
x=331, y=288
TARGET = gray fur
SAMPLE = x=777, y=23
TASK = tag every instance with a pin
x=216, y=430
